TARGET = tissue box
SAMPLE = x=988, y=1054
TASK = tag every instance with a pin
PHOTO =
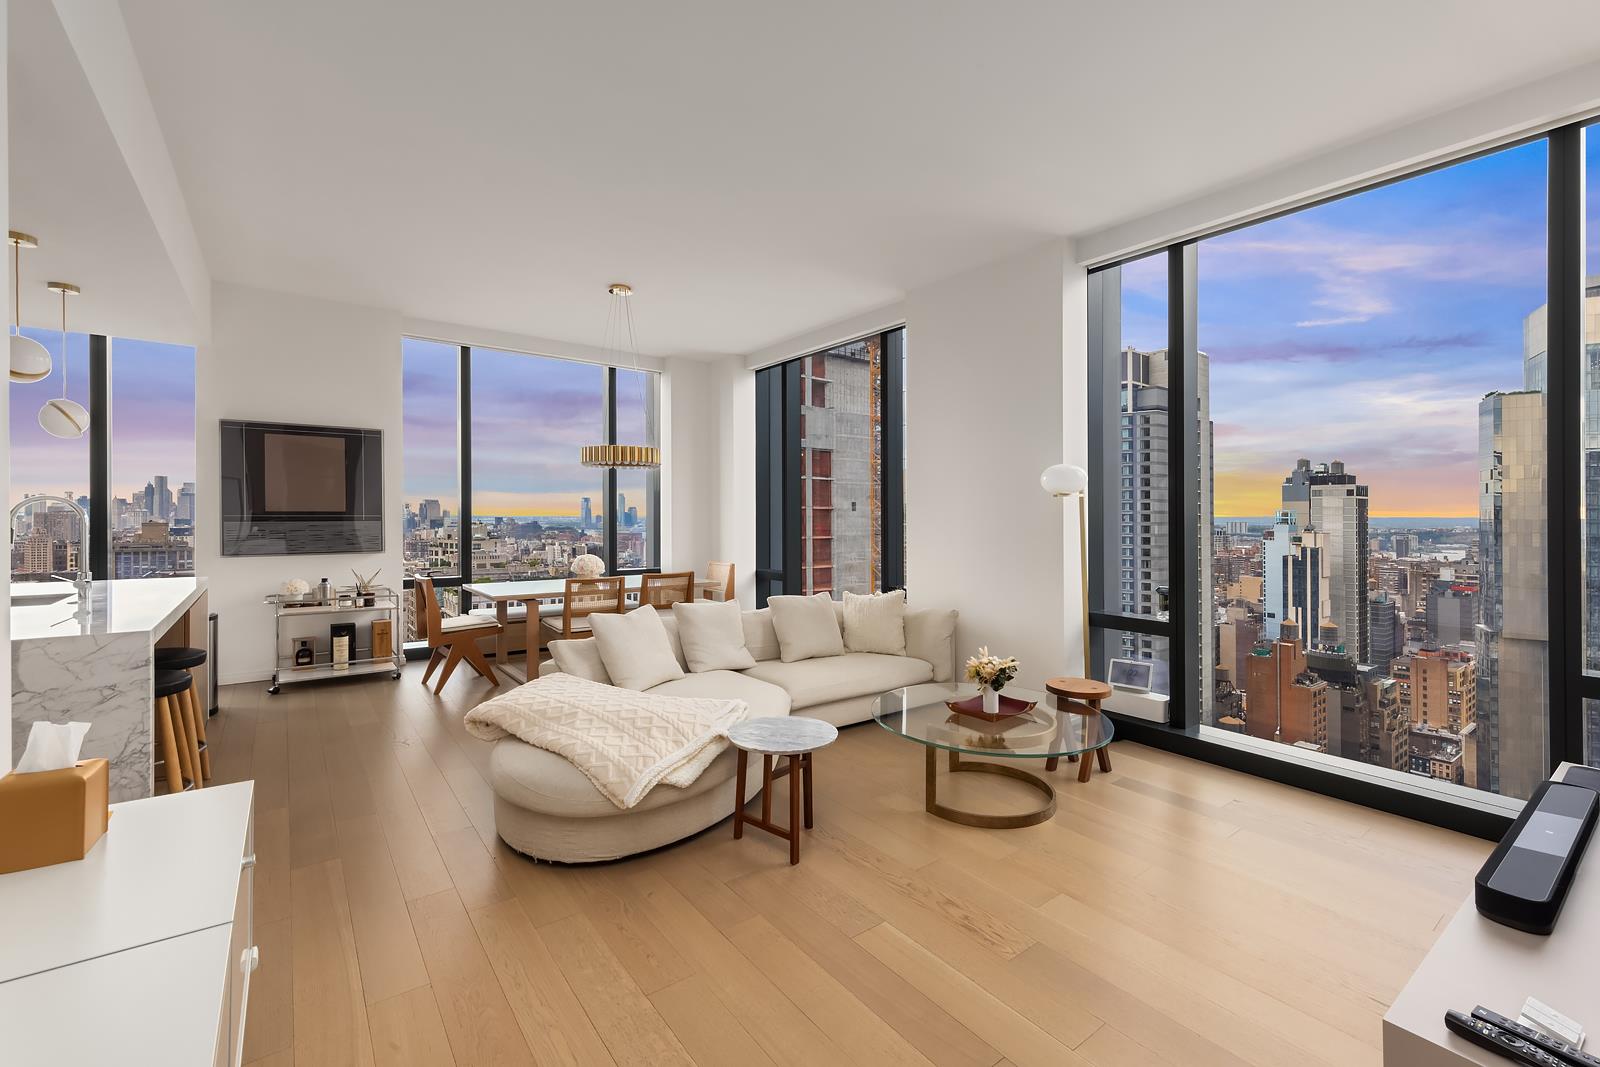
x=52, y=816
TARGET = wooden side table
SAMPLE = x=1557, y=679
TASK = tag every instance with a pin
x=796, y=739
x=1081, y=696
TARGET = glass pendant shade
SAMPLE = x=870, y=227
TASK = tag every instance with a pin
x=63, y=418
x=30, y=360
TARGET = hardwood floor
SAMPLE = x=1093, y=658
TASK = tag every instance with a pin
x=1171, y=912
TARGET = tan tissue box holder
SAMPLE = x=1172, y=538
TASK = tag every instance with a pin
x=51, y=817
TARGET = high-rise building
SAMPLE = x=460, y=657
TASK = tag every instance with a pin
x=1348, y=691
x=1438, y=688
x=1387, y=635
x=1276, y=544
x=1404, y=545
x=1328, y=499
x=1284, y=701
x=586, y=513
x=1452, y=611
x=1386, y=740
x=161, y=498
x=1513, y=630
x=1144, y=577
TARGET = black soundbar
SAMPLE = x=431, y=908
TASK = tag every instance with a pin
x=1525, y=880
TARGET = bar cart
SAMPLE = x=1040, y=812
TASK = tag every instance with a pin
x=377, y=602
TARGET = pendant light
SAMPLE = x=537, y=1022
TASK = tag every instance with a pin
x=30, y=360
x=619, y=321
x=62, y=417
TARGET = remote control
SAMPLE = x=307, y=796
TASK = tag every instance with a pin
x=1493, y=1038
x=1555, y=1047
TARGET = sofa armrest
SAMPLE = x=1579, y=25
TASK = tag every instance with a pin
x=931, y=636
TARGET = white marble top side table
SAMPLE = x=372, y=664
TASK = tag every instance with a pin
x=795, y=739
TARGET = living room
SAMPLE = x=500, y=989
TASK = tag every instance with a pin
x=710, y=434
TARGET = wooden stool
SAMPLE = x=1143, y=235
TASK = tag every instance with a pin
x=795, y=738
x=1080, y=696
x=180, y=750
x=187, y=659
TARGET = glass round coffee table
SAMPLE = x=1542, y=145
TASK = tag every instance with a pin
x=922, y=713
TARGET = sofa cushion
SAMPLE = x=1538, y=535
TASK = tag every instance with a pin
x=875, y=623
x=931, y=635
x=811, y=682
x=545, y=782
x=712, y=635
x=635, y=648
x=579, y=658
x=764, y=698
x=760, y=636
x=808, y=626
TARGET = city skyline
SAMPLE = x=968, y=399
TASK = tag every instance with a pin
x=151, y=384
x=1388, y=315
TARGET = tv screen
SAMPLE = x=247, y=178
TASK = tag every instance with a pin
x=300, y=490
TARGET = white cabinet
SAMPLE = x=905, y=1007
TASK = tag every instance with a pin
x=141, y=952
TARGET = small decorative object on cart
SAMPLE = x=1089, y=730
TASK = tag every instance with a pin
x=365, y=590
x=342, y=638
x=305, y=653
x=294, y=591
x=992, y=673
x=588, y=565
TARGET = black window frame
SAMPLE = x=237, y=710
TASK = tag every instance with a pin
x=463, y=575
x=1569, y=685
x=779, y=551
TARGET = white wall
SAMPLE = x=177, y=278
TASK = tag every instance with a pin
x=287, y=358
x=689, y=468
x=734, y=453
x=990, y=357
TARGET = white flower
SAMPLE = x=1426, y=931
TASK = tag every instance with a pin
x=588, y=565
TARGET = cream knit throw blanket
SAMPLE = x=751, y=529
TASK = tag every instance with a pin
x=623, y=741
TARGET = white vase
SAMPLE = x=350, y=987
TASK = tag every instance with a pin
x=991, y=701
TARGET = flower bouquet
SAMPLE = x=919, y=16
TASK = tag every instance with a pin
x=588, y=565
x=992, y=673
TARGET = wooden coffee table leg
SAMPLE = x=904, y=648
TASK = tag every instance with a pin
x=795, y=789
x=806, y=761
x=738, y=796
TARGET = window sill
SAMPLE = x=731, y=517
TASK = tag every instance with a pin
x=1453, y=807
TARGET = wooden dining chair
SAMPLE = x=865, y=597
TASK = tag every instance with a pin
x=722, y=574
x=584, y=597
x=664, y=590
x=451, y=640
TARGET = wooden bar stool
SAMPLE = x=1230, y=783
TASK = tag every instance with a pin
x=187, y=659
x=180, y=751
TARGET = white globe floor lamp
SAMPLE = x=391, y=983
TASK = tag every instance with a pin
x=1066, y=480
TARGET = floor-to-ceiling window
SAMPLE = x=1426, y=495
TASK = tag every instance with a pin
x=830, y=470
x=1322, y=452
x=490, y=457
x=132, y=473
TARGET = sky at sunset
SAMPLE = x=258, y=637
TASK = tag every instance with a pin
x=530, y=416
x=1365, y=330
x=152, y=419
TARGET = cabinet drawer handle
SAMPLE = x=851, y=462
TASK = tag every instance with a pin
x=250, y=959
x=248, y=861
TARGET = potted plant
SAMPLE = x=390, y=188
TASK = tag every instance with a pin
x=365, y=590
x=992, y=673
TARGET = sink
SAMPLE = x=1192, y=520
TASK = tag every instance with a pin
x=41, y=593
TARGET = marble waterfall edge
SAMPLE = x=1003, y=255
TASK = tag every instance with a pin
x=108, y=683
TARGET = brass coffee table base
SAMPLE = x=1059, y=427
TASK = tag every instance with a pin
x=972, y=818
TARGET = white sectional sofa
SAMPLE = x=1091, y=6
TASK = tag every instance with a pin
x=546, y=808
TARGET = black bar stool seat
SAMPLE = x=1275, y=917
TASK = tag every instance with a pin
x=179, y=659
x=172, y=682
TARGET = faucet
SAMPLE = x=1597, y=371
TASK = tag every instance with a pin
x=82, y=579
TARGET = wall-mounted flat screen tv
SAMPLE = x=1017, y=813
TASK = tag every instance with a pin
x=292, y=490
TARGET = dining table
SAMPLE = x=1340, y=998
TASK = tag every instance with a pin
x=532, y=592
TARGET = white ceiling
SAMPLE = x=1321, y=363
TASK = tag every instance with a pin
x=758, y=169
x=71, y=189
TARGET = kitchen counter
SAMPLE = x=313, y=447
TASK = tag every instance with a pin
x=98, y=665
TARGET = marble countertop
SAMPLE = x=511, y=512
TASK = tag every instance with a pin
x=118, y=606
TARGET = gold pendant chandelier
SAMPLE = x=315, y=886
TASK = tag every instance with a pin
x=618, y=323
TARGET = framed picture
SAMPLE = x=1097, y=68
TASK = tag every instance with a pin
x=1135, y=674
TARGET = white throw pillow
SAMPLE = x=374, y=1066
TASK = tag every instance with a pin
x=807, y=627
x=876, y=623
x=712, y=633
x=635, y=648
x=581, y=659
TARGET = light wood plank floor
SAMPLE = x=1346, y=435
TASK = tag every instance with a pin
x=1171, y=913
